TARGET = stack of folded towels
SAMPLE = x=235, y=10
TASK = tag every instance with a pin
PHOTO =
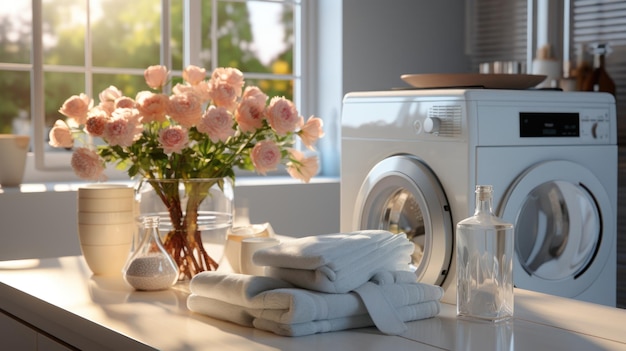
x=322, y=283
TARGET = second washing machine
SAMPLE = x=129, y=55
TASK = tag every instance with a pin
x=411, y=160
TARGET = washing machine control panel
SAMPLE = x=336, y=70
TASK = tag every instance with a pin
x=595, y=124
x=587, y=124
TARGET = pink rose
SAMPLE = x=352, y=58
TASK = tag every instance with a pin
x=61, y=135
x=123, y=128
x=311, y=131
x=200, y=90
x=77, y=107
x=182, y=89
x=185, y=109
x=225, y=87
x=252, y=92
x=87, y=164
x=230, y=76
x=108, y=97
x=96, y=122
x=156, y=76
x=106, y=106
x=283, y=116
x=110, y=94
x=217, y=122
x=223, y=94
x=250, y=115
x=203, y=91
x=300, y=167
x=124, y=102
x=194, y=74
x=265, y=156
x=173, y=139
x=151, y=106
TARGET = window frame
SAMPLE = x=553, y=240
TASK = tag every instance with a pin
x=52, y=167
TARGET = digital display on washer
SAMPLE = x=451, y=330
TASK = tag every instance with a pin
x=549, y=124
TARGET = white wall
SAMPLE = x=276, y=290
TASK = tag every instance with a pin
x=43, y=223
x=383, y=39
x=362, y=45
x=366, y=45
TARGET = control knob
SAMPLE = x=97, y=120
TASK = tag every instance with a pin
x=432, y=124
x=599, y=130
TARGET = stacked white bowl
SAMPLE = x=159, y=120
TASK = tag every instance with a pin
x=106, y=226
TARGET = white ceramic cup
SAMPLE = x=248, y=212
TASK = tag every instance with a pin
x=106, y=226
x=105, y=245
x=113, y=204
x=13, y=151
x=106, y=234
x=248, y=247
x=105, y=198
x=106, y=259
x=232, y=250
x=95, y=218
x=105, y=190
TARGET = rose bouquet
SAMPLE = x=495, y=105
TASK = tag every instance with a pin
x=204, y=129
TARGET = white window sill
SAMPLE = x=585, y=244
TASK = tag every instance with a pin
x=40, y=187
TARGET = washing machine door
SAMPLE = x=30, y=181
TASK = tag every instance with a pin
x=558, y=208
x=402, y=195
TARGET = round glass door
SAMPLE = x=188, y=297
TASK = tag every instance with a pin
x=400, y=213
x=558, y=230
x=563, y=218
x=402, y=195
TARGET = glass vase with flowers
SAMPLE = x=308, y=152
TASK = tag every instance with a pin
x=204, y=129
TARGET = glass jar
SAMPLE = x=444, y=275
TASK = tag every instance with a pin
x=151, y=267
x=195, y=216
x=484, y=251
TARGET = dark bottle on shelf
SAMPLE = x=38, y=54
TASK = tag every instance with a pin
x=599, y=79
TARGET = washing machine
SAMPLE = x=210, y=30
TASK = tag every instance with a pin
x=411, y=160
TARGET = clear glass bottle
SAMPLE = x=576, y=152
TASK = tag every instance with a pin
x=484, y=254
x=151, y=267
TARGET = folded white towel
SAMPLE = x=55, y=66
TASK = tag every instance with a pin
x=407, y=313
x=274, y=305
x=233, y=288
x=336, y=263
x=246, y=317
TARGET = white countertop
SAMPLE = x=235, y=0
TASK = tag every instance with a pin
x=60, y=297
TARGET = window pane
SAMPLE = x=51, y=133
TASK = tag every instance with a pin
x=129, y=85
x=253, y=35
x=126, y=34
x=176, y=39
x=59, y=86
x=15, y=31
x=273, y=87
x=64, y=32
x=14, y=102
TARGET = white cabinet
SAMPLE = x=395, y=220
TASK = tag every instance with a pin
x=16, y=335
x=45, y=343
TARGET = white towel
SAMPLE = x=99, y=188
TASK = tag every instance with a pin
x=336, y=263
x=407, y=313
x=267, y=304
x=246, y=317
